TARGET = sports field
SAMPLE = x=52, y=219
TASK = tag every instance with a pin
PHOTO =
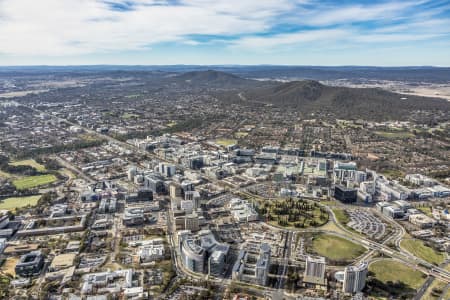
x=18, y=202
x=226, y=142
x=419, y=249
x=395, y=135
x=336, y=248
x=33, y=181
x=240, y=134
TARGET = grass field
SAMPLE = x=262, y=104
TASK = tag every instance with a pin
x=393, y=271
x=127, y=116
x=4, y=174
x=426, y=210
x=434, y=290
x=336, y=248
x=240, y=134
x=171, y=124
x=419, y=249
x=18, y=202
x=31, y=163
x=9, y=266
x=341, y=216
x=33, y=181
x=393, y=174
x=226, y=142
x=395, y=135
x=67, y=172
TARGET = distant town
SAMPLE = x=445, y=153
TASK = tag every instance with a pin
x=202, y=184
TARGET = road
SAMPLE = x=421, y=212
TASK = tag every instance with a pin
x=428, y=283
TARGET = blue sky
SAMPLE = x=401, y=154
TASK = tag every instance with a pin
x=288, y=32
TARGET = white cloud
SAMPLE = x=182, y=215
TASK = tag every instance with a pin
x=347, y=14
x=286, y=39
x=67, y=27
x=77, y=27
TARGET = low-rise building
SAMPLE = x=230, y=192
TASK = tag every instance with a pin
x=422, y=221
x=30, y=264
x=151, y=250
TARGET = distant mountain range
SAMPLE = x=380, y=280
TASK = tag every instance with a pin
x=309, y=96
x=305, y=96
x=414, y=74
x=213, y=79
x=370, y=103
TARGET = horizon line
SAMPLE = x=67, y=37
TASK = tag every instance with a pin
x=223, y=65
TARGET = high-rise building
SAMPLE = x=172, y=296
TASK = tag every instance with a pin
x=175, y=190
x=315, y=270
x=193, y=196
x=216, y=263
x=263, y=264
x=193, y=255
x=131, y=173
x=355, y=278
x=191, y=222
x=166, y=170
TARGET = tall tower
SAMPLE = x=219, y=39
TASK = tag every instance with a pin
x=355, y=278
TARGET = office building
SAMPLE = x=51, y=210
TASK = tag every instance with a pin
x=355, y=278
x=166, y=169
x=244, y=269
x=175, y=191
x=263, y=264
x=30, y=264
x=193, y=196
x=344, y=194
x=133, y=216
x=315, y=271
x=216, y=263
x=192, y=255
x=155, y=183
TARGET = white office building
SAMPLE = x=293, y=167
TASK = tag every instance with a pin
x=355, y=278
x=315, y=270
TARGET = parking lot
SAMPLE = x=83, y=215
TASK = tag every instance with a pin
x=366, y=223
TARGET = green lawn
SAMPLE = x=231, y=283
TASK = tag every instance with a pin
x=4, y=174
x=33, y=181
x=426, y=210
x=392, y=271
x=226, y=142
x=18, y=202
x=341, y=216
x=393, y=174
x=336, y=248
x=395, y=135
x=31, y=163
x=240, y=134
x=419, y=249
x=434, y=291
x=127, y=116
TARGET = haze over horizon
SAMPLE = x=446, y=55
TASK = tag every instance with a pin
x=247, y=32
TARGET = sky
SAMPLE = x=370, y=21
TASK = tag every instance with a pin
x=216, y=32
